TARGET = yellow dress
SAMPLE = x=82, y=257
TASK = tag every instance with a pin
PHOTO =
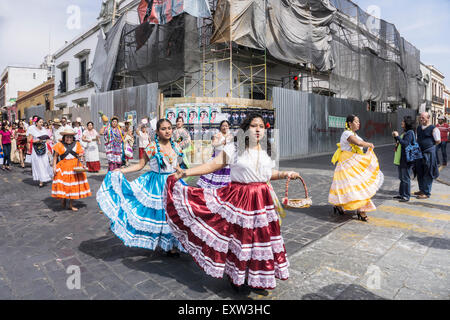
x=356, y=180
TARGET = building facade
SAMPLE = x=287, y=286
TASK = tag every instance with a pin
x=41, y=95
x=447, y=101
x=437, y=93
x=15, y=79
x=73, y=61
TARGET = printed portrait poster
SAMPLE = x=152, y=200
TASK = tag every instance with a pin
x=193, y=115
x=171, y=115
x=204, y=114
x=265, y=115
x=190, y=129
x=215, y=110
x=235, y=117
x=182, y=111
x=242, y=114
x=227, y=112
x=206, y=132
x=271, y=116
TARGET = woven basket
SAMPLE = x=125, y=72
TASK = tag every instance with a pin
x=297, y=203
x=80, y=167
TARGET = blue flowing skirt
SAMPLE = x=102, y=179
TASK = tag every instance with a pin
x=136, y=210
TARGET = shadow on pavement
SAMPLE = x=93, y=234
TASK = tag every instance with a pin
x=431, y=205
x=432, y=242
x=348, y=292
x=55, y=204
x=323, y=212
x=30, y=182
x=110, y=248
x=158, y=265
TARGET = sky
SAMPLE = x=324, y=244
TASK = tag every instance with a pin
x=423, y=23
x=31, y=29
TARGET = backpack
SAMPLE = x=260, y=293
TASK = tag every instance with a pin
x=413, y=151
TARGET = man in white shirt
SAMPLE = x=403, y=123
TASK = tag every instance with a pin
x=63, y=126
x=428, y=136
x=57, y=133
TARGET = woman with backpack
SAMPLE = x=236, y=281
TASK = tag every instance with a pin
x=404, y=167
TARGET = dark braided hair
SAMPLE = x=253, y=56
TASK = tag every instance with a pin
x=158, y=126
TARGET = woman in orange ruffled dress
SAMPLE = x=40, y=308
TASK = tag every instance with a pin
x=68, y=184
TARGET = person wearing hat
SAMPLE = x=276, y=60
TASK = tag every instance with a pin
x=113, y=138
x=67, y=182
x=56, y=130
x=444, y=130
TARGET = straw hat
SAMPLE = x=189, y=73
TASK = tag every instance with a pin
x=68, y=132
x=57, y=121
x=121, y=124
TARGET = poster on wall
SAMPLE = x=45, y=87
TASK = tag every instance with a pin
x=235, y=117
x=131, y=117
x=171, y=115
x=204, y=115
x=193, y=115
x=182, y=111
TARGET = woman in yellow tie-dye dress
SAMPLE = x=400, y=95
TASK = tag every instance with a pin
x=357, y=176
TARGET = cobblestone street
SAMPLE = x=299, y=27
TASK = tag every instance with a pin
x=408, y=245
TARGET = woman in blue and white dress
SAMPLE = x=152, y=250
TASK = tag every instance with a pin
x=136, y=209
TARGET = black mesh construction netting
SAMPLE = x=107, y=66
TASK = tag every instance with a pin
x=365, y=57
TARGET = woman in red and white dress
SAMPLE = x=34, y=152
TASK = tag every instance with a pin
x=234, y=229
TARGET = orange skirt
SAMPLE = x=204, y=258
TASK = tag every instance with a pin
x=68, y=184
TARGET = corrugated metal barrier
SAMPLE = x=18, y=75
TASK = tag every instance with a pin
x=303, y=120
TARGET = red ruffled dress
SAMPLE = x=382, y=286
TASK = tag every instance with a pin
x=234, y=229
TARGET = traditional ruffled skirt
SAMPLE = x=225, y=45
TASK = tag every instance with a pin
x=68, y=184
x=356, y=180
x=215, y=180
x=233, y=230
x=136, y=210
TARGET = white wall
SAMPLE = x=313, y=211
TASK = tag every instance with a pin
x=23, y=79
x=73, y=69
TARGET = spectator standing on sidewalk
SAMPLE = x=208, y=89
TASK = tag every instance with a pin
x=113, y=139
x=5, y=142
x=92, y=139
x=357, y=176
x=444, y=130
x=40, y=165
x=428, y=136
x=404, y=167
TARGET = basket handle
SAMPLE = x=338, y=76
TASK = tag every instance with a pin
x=287, y=187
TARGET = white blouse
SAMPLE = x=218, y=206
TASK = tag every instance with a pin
x=36, y=133
x=251, y=166
x=221, y=138
x=345, y=145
